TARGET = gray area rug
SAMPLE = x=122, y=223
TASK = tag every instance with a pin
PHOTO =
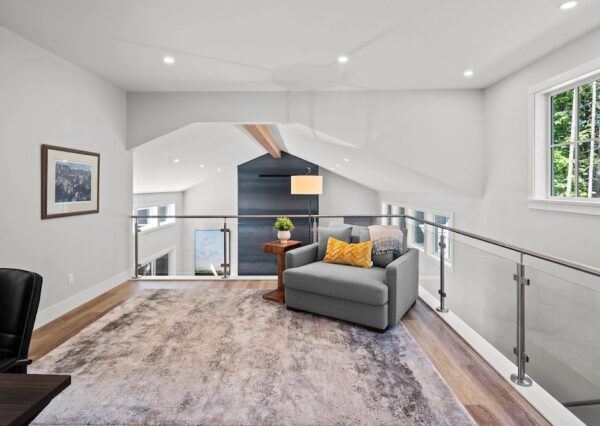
x=219, y=356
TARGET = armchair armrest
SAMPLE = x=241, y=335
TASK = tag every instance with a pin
x=402, y=279
x=301, y=256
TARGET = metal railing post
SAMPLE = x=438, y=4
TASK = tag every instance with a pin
x=225, y=265
x=522, y=359
x=136, y=252
x=442, y=290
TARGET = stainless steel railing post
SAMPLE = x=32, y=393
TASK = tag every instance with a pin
x=442, y=290
x=522, y=359
x=225, y=232
x=136, y=252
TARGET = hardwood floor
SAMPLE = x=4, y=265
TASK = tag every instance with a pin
x=486, y=395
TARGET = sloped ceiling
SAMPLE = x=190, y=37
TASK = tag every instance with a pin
x=189, y=156
x=405, y=141
x=198, y=152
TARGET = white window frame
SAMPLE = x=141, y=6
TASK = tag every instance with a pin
x=428, y=248
x=156, y=223
x=540, y=130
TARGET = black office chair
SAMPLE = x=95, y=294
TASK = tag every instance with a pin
x=19, y=300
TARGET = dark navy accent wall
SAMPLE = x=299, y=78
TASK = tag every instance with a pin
x=264, y=188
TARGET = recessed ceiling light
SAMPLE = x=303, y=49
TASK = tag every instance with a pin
x=176, y=160
x=169, y=60
x=333, y=169
x=568, y=5
x=468, y=73
x=337, y=165
x=347, y=160
x=201, y=166
x=218, y=169
x=342, y=59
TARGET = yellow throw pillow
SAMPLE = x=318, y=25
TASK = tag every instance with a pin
x=349, y=254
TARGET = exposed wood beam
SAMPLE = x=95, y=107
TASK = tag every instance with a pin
x=263, y=136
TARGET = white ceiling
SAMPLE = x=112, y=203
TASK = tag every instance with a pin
x=214, y=146
x=284, y=44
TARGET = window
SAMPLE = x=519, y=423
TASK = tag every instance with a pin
x=160, y=264
x=565, y=141
x=442, y=220
x=147, y=224
x=424, y=237
x=574, y=140
x=166, y=210
x=419, y=228
x=145, y=270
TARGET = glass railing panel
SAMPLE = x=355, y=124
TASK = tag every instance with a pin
x=481, y=291
x=563, y=335
x=187, y=248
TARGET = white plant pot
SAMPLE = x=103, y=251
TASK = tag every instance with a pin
x=284, y=236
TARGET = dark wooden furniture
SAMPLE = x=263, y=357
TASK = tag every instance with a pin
x=19, y=299
x=24, y=396
x=278, y=248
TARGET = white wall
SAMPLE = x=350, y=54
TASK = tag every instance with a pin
x=562, y=313
x=46, y=100
x=341, y=195
x=156, y=242
x=218, y=195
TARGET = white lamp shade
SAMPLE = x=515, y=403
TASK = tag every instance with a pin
x=307, y=185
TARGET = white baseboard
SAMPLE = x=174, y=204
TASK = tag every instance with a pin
x=546, y=404
x=64, y=306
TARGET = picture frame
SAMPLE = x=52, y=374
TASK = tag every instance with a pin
x=70, y=182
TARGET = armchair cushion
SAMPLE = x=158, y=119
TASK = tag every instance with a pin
x=340, y=281
x=342, y=234
x=356, y=230
x=301, y=256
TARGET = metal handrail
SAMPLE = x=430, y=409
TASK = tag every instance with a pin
x=546, y=257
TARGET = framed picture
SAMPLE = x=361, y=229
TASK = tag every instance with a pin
x=70, y=182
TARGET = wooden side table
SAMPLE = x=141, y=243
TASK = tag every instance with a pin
x=278, y=248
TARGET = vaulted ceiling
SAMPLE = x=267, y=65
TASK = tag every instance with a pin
x=284, y=44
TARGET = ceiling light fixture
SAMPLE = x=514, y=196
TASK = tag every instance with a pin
x=342, y=59
x=169, y=60
x=468, y=73
x=568, y=5
x=201, y=166
x=337, y=165
x=218, y=169
x=176, y=160
x=346, y=160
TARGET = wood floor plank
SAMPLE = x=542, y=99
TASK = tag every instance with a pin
x=486, y=395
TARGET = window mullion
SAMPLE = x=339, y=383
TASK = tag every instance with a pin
x=576, y=118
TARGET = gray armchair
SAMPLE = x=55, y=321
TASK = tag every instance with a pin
x=375, y=297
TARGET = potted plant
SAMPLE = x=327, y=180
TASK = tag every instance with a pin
x=283, y=226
